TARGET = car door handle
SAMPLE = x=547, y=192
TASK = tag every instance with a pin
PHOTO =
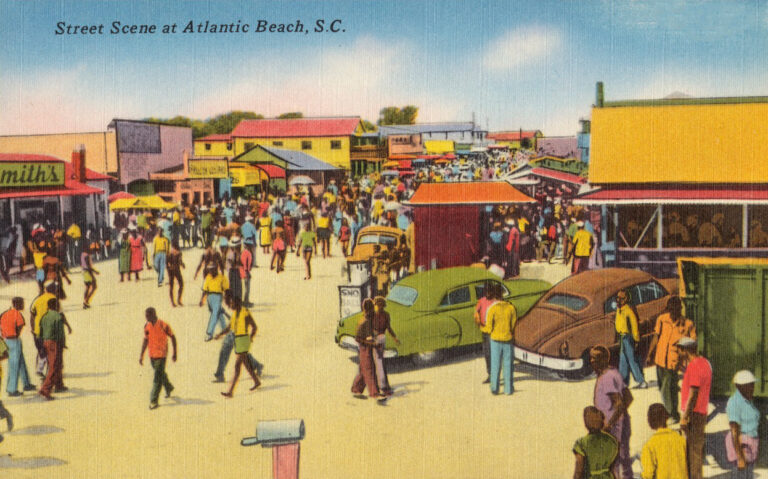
x=450, y=335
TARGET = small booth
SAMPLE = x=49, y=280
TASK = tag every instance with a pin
x=450, y=220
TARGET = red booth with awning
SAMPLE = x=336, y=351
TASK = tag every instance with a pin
x=448, y=220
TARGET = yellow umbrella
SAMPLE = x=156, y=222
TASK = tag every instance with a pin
x=125, y=204
x=156, y=203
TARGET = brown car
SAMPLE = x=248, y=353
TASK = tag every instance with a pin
x=579, y=312
x=370, y=236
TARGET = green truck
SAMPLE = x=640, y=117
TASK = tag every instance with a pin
x=727, y=298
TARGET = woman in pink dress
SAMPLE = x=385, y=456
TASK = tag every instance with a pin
x=137, y=254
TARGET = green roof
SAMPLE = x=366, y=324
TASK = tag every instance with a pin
x=687, y=101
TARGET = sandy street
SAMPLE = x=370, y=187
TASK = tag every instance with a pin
x=441, y=423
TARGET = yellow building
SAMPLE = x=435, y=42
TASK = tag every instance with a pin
x=438, y=147
x=100, y=147
x=704, y=140
x=215, y=145
x=327, y=139
x=679, y=177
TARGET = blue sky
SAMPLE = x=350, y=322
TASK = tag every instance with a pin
x=513, y=64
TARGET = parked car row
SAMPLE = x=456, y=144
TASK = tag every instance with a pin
x=433, y=311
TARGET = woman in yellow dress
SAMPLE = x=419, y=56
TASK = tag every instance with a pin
x=265, y=231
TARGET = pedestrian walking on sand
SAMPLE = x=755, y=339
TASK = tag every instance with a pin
x=628, y=332
x=11, y=324
x=694, y=396
x=501, y=319
x=174, y=263
x=241, y=322
x=89, y=275
x=4, y=413
x=160, y=248
x=214, y=287
x=612, y=397
x=670, y=327
x=663, y=456
x=381, y=326
x=596, y=452
x=742, y=441
x=156, y=334
x=52, y=333
x=366, y=376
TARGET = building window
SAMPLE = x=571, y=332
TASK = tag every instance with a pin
x=306, y=145
x=277, y=143
x=249, y=146
x=335, y=144
x=207, y=147
x=229, y=146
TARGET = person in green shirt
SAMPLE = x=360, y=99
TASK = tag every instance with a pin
x=52, y=326
x=596, y=452
x=307, y=245
x=206, y=221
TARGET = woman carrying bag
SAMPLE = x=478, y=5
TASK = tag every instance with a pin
x=241, y=320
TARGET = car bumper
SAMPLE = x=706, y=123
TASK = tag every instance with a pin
x=348, y=342
x=548, y=362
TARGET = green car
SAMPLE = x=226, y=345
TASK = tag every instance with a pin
x=434, y=310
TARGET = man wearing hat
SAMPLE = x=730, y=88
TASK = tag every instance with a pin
x=232, y=266
x=741, y=442
x=583, y=242
x=694, y=395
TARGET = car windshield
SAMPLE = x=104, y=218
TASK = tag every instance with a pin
x=567, y=301
x=403, y=295
x=369, y=239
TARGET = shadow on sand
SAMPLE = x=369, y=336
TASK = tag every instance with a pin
x=8, y=462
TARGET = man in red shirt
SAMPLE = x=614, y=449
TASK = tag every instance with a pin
x=11, y=324
x=156, y=334
x=697, y=382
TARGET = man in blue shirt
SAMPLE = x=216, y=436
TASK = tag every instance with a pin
x=248, y=232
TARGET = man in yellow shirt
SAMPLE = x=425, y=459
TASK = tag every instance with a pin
x=629, y=335
x=74, y=236
x=500, y=321
x=160, y=248
x=582, y=249
x=664, y=453
x=214, y=286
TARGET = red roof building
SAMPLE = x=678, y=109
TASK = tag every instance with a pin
x=296, y=127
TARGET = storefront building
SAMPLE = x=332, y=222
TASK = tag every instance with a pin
x=679, y=177
x=191, y=182
x=50, y=191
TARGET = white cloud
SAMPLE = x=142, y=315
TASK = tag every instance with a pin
x=521, y=46
x=358, y=79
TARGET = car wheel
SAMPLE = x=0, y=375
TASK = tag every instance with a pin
x=578, y=374
x=428, y=358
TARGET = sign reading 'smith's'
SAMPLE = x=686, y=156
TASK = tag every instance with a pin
x=17, y=174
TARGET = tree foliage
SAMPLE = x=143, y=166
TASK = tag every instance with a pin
x=290, y=114
x=393, y=115
x=220, y=124
x=369, y=127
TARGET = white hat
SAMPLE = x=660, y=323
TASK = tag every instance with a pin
x=686, y=342
x=579, y=224
x=234, y=241
x=203, y=208
x=743, y=377
x=36, y=226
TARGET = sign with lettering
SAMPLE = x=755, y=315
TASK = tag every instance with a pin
x=245, y=176
x=19, y=174
x=208, y=168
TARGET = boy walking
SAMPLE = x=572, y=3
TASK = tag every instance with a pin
x=156, y=334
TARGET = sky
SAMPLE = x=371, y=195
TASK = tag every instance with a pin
x=510, y=64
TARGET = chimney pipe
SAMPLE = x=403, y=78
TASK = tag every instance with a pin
x=600, y=95
x=78, y=163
